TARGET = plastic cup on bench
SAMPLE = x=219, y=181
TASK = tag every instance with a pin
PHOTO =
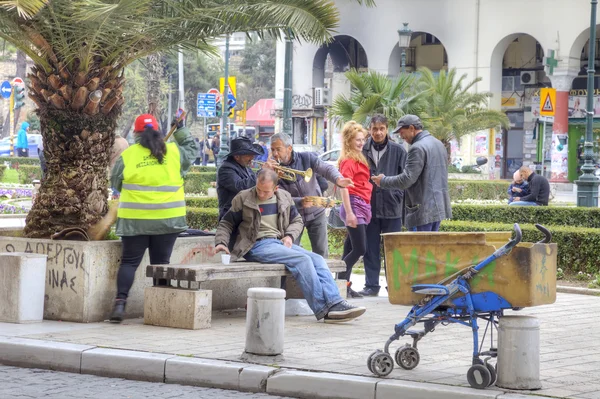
x=225, y=259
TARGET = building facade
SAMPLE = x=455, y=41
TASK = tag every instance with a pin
x=502, y=42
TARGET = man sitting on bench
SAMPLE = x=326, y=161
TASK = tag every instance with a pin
x=268, y=223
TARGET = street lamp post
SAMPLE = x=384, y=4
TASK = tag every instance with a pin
x=404, y=36
x=587, y=185
x=225, y=133
x=287, y=85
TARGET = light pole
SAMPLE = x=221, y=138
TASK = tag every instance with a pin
x=404, y=36
x=587, y=185
x=224, y=151
x=287, y=85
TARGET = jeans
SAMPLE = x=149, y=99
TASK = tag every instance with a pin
x=309, y=270
x=204, y=159
x=435, y=226
x=372, y=257
x=523, y=203
x=134, y=247
x=317, y=233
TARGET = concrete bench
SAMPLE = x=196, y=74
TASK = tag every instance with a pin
x=190, y=307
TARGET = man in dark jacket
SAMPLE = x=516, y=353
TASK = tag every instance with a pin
x=384, y=156
x=539, y=189
x=235, y=175
x=313, y=216
x=424, y=179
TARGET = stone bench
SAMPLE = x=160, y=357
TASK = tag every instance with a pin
x=190, y=307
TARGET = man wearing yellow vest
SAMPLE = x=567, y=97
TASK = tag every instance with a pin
x=151, y=214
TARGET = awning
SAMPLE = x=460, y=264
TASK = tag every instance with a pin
x=262, y=113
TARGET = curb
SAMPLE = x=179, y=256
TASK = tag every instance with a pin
x=209, y=373
x=577, y=290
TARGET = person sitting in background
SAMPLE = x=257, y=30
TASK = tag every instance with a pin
x=518, y=188
x=539, y=189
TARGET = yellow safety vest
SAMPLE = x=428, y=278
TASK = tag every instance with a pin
x=151, y=190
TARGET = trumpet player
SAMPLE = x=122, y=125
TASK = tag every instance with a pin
x=314, y=217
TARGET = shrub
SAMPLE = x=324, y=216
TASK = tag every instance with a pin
x=478, y=189
x=29, y=173
x=200, y=169
x=198, y=182
x=2, y=170
x=15, y=162
x=202, y=202
x=544, y=215
x=202, y=219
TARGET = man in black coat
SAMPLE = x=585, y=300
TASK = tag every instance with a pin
x=539, y=189
x=387, y=157
x=235, y=175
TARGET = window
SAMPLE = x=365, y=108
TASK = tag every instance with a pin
x=426, y=38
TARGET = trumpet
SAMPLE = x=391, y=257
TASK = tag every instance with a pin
x=289, y=173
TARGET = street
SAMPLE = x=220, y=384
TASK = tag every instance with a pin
x=17, y=383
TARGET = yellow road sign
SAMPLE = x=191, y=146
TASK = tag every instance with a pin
x=232, y=87
x=547, y=102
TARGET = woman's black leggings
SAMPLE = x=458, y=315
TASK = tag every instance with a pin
x=355, y=246
x=134, y=247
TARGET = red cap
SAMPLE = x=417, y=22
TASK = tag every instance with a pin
x=145, y=120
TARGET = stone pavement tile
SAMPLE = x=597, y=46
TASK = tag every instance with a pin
x=558, y=392
x=592, y=386
x=588, y=395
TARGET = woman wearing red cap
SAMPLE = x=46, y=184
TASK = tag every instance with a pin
x=151, y=213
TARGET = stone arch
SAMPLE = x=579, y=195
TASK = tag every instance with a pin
x=425, y=50
x=344, y=52
x=580, y=45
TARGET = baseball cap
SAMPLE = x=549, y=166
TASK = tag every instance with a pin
x=408, y=120
x=145, y=120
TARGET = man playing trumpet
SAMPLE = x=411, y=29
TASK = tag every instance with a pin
x=302, y=190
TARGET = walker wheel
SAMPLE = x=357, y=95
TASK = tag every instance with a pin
x=407, y=357
x=370, y=358
x=479, y=376
x=493, y=373
x=382, y=364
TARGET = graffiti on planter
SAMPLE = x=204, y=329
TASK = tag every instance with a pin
x=62, y=281
x=304, y=101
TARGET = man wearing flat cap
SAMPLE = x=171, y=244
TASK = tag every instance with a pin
x=235, y=175
x=424, y=179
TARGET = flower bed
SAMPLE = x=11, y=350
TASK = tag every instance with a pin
x=7, y=209
x=12, y=193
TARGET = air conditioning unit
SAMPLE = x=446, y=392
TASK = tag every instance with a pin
x=322, y=97
x=528, y=78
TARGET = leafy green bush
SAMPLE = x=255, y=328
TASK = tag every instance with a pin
x=200, y=169
x=198, y=182
x=15, y=162
x=2, y=170
x=478, y=189
x=202, y=219
x=470, y=169
x=29, y=173
x=202, y=202
x=544, y=215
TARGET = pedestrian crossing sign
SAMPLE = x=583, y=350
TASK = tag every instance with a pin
x=547, y=102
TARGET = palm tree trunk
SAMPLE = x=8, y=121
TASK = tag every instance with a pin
x=155, y=70
x=448, y=146
x=78, y=135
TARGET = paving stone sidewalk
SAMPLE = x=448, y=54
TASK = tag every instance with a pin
x=570, y=343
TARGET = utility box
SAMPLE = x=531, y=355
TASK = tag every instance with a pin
x=525, y=277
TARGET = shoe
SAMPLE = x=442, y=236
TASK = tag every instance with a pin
x=343, y=312
x=368, y=291
x=118, y=311
x=350, y=293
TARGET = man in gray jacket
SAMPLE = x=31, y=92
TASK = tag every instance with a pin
x=425, y=177
x=313, y=216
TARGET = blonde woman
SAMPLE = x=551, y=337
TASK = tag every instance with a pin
x=356, y=200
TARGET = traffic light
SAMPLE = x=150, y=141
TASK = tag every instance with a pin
x=230, y=105
x=219, y=109
x=19, y=96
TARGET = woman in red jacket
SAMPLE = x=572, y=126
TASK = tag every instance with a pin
x=356, y=208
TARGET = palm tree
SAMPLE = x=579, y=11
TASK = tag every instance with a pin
x=80, y=49
x=375, y=93
x=451, y=109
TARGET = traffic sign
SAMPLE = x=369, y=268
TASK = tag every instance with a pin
x=232, y=85
x=206, y=105
x=18, y=81
x=232, y=98
x=5, y=89
x=217, y=94
x=547, y=102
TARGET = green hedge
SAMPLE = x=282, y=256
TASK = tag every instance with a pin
x=545, y=215
x=202, y=219
x=198, y=182
x=478, y=189
x=29, y=173
x=15, y=162
x=2, y=170
x=199, y=169
x=202, y=202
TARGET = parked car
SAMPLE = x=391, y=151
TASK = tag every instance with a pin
x=331, y=156
x=305, y=148
x=33, y=141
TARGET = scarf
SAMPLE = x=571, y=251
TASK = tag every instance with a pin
x=378, y=147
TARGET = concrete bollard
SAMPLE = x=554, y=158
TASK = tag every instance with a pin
x=22, y=287
x=265, y=320
x=519, y=353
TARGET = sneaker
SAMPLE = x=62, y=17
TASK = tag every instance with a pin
x=350, y=293
x=343, y=312
x=118, y=311
x=369, y=291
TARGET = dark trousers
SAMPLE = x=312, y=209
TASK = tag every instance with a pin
x=317, y=233
x=23, y=152
x=134, y=247
x=355, y=246
x=435, y=226
x=373, y=255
